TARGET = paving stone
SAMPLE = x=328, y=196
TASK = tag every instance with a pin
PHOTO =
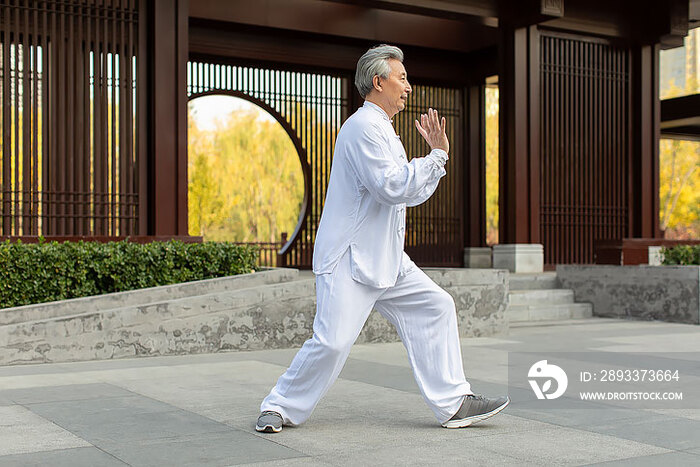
x=564, y=446
x=675, y=458
x=22, y=431
x=77, y=457
x=212, y=449
x=128, y=419
x=581, y=417
x=660, y=430
x=691, y=414
x=71, y=392
x=294, y=462
x=143, y=431
x=438, y=454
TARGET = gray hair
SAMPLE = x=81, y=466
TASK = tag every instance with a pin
x=375, y=62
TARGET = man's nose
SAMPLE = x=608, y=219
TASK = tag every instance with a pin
x=409, y=89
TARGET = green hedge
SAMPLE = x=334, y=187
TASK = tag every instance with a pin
x=682, y=254
x=48, y=271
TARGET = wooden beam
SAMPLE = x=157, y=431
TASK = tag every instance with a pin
x=676, y=24
x=525, y=13
x=351, y=21
x=653, y=21
x=297, y=51
x=462, y=10
x=680, y=117
x=635, y=21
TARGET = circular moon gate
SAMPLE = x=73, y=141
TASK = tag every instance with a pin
x=245, y=139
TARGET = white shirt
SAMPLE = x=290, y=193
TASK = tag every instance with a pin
x=371, y=184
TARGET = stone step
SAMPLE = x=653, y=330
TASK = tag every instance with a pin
x=534, y=281
x=540, y=297
x=146, y=296
x=555, y=322
x=525, y=313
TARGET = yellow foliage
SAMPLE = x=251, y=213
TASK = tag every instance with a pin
x=491, y=165
x=679, y=180
x=245, y=180
x=679, y=188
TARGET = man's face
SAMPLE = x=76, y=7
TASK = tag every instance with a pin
x=395, y=88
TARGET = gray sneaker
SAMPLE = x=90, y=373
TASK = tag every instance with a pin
x=269, y=422
x=475, y=409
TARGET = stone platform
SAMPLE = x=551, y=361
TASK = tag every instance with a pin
x=200, y=410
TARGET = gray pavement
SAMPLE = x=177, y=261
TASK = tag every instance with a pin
x=201, y=409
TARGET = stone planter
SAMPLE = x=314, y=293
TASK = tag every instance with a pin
x=666, y=293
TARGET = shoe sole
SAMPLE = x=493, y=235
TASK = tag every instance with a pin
x=465, y=422
x=268, y=429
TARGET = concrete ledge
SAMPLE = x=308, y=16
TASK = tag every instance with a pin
x=240, y=317
x=76, y=306
x=267, y=316
x=666, y=293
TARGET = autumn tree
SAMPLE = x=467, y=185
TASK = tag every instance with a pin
x=245, y=179
x=679, y=179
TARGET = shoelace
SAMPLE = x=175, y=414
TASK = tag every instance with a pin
x=270, y=412
x=476, y=397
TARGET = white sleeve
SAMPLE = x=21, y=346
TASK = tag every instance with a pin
x=389, y=181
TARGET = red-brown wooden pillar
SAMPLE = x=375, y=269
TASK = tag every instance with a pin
x=474, y=167
x=166, y=102
x=519, y=135
x=643, y=195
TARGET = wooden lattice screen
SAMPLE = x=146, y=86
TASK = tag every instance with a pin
x=434, y=229
x=584, y=137
x=68, y=159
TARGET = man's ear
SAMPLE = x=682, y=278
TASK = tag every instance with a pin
x=377, y=83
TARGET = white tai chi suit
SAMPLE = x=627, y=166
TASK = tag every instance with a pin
x=360, y=264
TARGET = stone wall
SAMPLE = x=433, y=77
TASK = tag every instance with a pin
x=243, y=314
x=666, y=293
x=265, y=316
x=480, y=296
x=163, y=293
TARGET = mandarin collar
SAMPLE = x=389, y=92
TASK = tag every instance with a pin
x=376, y=108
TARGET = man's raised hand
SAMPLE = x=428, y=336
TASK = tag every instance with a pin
x=432, y=129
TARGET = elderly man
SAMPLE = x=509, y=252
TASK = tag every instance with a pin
x=360, y=264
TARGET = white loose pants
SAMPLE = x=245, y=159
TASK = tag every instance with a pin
x=424, y=316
